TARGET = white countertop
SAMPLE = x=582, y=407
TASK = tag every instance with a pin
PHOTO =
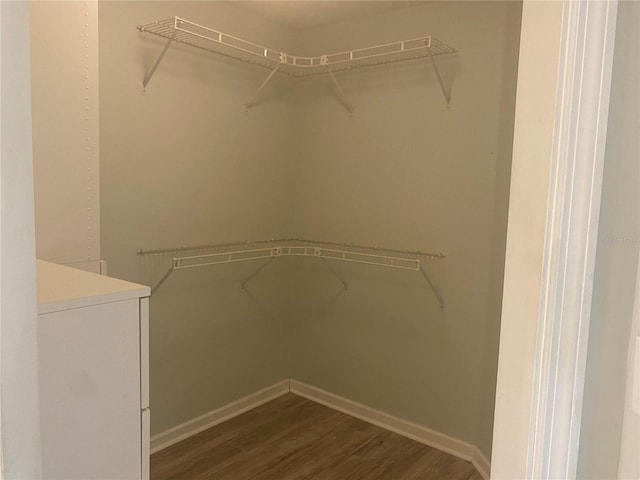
x=63, y=288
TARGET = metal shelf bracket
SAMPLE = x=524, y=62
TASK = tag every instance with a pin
x=345, y=285
x=255, y=97
x=340, y=93
x=244, y=282
x=445, y=93
x=164, y=278
x=433, y=288
x=152, y=70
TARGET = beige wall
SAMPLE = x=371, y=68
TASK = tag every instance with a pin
x=407, y=172
x=616, y=261
x=64, y=64
x=185, y=164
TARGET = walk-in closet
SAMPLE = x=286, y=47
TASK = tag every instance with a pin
x=316, y=194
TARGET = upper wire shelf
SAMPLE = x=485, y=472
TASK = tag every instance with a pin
x=190, y=33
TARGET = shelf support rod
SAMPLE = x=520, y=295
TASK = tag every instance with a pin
x=345, y=285
x=433, y=288
x=254, y=99
x=263, y=311
x=447, y=95
x=153, y=68
x=332, y=301
x=340, y=93
x=244, y=282
x=166, y=275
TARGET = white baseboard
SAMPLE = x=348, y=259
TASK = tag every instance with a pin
x=440, y=441
x=208, y=420
x=482, y=463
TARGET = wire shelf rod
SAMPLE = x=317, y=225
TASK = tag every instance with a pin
x=193, y=34
x=220, y=262
x=325, y=254
x=369, y=259
x=180, y=263
x=224, y=39
x=299, y=242
x=177, y=263
x=225, y=257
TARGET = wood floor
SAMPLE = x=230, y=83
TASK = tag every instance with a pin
x=291, y=438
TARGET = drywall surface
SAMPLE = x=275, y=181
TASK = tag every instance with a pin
x=616, y=262
x=407, y=172
x=64, y=80
x=20, y=413
x=185, y=164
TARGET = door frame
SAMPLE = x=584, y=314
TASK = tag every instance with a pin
x=560, y=134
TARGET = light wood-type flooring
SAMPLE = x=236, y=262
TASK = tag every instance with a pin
x=292, y=438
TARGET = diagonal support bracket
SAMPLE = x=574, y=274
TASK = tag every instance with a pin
x=244, y=282
x=164, y=277
x=445, y=93
x=324, y=308
x=433, y=288
x=255, y=97
x=261, y=309
x=340, y=93
x=152, y=70
x=345, y=285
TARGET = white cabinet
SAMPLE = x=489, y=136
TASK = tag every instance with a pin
x=93, y=352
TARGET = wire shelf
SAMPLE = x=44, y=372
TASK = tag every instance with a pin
x=299, y=251
x=224, y=248
x=207, y=255
x=183, y=31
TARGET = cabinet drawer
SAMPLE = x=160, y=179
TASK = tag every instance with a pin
x=89, y=392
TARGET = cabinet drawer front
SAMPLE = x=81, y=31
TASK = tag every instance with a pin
x=90, y=392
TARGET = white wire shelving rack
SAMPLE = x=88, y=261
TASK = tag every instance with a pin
x=208, y=255
x=183, y=31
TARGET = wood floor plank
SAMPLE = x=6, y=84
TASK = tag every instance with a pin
x=292, y=438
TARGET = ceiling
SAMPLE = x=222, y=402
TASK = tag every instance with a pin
x=303, y=14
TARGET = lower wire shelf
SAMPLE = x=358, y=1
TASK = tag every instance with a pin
x=272, y=249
